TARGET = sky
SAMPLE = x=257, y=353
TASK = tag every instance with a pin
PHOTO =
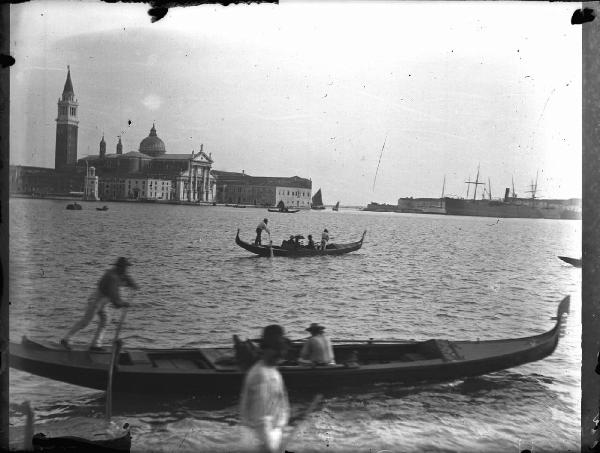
x=371, y=101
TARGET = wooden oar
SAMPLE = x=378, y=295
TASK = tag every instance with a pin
x=28, y=440
x=113, y=363
x=300, y=422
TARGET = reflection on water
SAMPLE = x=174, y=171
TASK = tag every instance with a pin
x=416, y=277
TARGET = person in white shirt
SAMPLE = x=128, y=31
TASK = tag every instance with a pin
x=264, y=404
x=317, y=350
x=259, y=229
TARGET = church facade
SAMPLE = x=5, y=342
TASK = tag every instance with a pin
x=150, y=174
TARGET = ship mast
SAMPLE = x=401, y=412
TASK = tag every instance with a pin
x=476, y=183
x=489, y=189
x=533, y=190
x=443, y=189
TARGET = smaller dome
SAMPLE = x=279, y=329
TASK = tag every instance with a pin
x=152, y=145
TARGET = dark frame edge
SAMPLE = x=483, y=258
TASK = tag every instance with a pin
x=4, y=225
x=590, y=291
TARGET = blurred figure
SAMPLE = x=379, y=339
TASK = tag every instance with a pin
x=264, y=404
x=107, y=291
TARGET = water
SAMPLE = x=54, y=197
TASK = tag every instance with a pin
x=416, y=277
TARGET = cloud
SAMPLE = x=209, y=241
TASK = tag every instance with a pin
x=152, y=102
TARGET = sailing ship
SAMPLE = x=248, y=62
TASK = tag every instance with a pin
x=317, y=201
x=336, y=207
x=512, y=206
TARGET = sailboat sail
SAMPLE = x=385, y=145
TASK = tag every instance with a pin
x=317, y=199
x=336, y=207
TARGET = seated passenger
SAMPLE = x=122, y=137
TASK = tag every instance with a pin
x=317, y=350
x=289, y=244
x=311, y=243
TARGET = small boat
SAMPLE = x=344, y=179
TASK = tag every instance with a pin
x=284, y=210
x=572, y=261
x=275, y=250
x=336, y=207
x=221, y=370
x=103, y=208
x=96, y=435
x=74, y=443
x=317, y=201
x=74, y=206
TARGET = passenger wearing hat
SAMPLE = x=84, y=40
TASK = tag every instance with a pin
x=259, y=229
x=264, y=404
x=317, y=350
x=107, y=291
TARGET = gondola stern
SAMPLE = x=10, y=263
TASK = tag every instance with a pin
x=563, y=308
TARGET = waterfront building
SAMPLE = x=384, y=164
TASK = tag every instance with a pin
x=90, y=187
x=241, y=188
x=65, y=178
x=152, y=174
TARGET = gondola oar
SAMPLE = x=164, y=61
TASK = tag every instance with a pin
x=113, y=363
x=300, y=422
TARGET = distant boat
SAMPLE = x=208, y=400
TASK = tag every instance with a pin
x=103, y=208
x=74, y=206
x=513, y=206
x=317, y=201
x=284, y=210
x=275, y=250
x=572, y=261
x=336, y=207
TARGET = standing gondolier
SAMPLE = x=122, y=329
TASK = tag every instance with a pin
x=264, y=404
x=259, y=229
x=106, y=291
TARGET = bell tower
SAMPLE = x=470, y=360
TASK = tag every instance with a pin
x=66, y=127
x=102, y=147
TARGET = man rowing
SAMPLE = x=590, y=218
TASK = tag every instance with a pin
x=106, y=291
x=259, y=229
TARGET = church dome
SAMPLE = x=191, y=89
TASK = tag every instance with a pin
x=152, y=145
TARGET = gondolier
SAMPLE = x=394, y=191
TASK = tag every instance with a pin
x=107, y=291
x=259, y=229
x=264, y=404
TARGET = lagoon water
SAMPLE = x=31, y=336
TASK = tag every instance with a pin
x=416, y=277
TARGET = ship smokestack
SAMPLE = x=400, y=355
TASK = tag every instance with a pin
x=506, y=194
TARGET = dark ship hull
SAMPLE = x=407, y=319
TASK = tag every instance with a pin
x=514, y=208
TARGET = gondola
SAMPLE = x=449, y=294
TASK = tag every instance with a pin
x=80, y=444
x=572, y=261
x=74, y=206
x=220, y=370
x=283, y=211
x=103, y=208
x=275, y=250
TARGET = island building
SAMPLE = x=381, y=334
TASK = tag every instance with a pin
x=148, y=173
x=64, y=178
x=241, y=188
